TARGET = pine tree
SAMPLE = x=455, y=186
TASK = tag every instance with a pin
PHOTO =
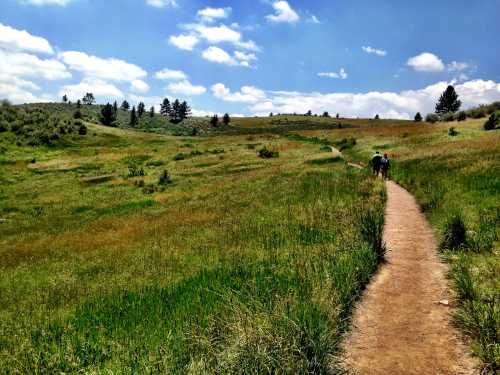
x=141, y=108
x=78, y=104
x=176, y=107
x=214, y=121
x=448, y=102
x=326, y=114
x=88, y=99
x=226, y=119
x=108, y=115
x=165, y=109
x=184, y=111
x=133, y=118
x=377, y=117
x=125, y=106
x=152, y=112
x=115, y=107
x=418, y=117
x=65, y=98
x=309, y=113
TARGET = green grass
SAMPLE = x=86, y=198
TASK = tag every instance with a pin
x=241, y=265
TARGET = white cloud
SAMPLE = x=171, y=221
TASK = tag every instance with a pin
x=46, y=2
x=186, y=88
x=171, y=75
x=139, y=86
x=426, y=62
x=210, y=14
x=161, y=3
x=283, y=13
x=378, y=52
x=215, y=34
x=96, y=67
x=26, y=65
x=20, y=40
x=18, y=90
x=183, y=41
x=247, y=94
x=456, y=66
x=402, y=105
x=96, y=86
x=218, y=55
x=314, y=19
x=342, y=74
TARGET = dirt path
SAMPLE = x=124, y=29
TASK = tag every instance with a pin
x=400, y=326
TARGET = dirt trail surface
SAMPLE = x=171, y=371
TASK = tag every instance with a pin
x=402, y=324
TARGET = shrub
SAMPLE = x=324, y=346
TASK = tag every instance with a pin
x=432, y=118
x=418, y=117
x=478, y=112
x=4, y=126
x=452, y=132
x=77, y=114
x=266, y=153
x=448, y=117
x=82, y=130
x=492, y=122
x=462, y=116
x=454, y=232
x=135, y=170
x=179, y=156
x=165, y=178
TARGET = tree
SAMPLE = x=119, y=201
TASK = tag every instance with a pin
x=165, y=109
x=271, y=114
x=326, y=114
x=418, y=117
x=309, y=113
x=133, y=118
x=108, y=115
x=377, y=117
x=88, y=99
x=152, y=112
x=448, y=101
x=214, y=121
x=337, y=116
x=78, y=104
x=65, y=98
x=184, y=110
x=125, y=106
x=226, y=119
x=115, y=107
x=432, y=118
x=141, y=108
x=176, y=106
x=492, y=122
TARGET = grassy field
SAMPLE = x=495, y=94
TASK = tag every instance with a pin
x=237, y=265
x=456, y=180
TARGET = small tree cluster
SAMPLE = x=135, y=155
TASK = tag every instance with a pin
x=176, y=110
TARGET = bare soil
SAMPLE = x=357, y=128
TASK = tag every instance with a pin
x=402, y=324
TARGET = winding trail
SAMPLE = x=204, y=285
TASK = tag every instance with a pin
x=402, y=324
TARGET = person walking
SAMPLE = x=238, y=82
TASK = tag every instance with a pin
x=384, y=165
x=376, y=163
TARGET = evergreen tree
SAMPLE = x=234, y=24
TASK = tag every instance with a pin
x=152, y=112
x=65, y=98
x=418, y=117
x=78, y=104
x=115, y=107
x=133, y=118
x=214, y=121
x=108, y=115
x=226, y=119
x=88, y=99
x=337, y=116
x=326, y=114
x=141, y=108
x=165, y=108
x=309, y=113
x=125, y=106
x=184, y=110
x=448, y=102
x=271, y=114
x=176, y=107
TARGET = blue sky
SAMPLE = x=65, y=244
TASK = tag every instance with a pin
x=355, y=57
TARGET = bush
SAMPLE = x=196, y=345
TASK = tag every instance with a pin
x=462, y=116
x=492, y=122
x=4, y=126
x=82, y=130
x=478, y=112
x=452, y=132
x=77, y=114
x=454, y=232
x=179, y=156
x=448, y=117
x=432, y=118
x=266, y=153
x=165, y=178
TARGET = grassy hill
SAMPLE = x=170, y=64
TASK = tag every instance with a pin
x=143, y=252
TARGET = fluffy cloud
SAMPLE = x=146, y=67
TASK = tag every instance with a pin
x=218, y=55
x=183, y=41
x=26, y=65
x=402, y=105
x=210, y=14
x=160, y=3
x=96, y=86
x=171, y=75
x=96, y=67
x=283, y=13
x=20, y=40
x=456, y=66
x=46, y=2
x=247, y=94
x=342, y=74
x=371, y=50
x=215, y=34
x=426, y=62
x=186, y=88
x=139, y=86
x=18, y=90
x=244, y=58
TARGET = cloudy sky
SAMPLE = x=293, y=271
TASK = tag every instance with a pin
x=353, y=57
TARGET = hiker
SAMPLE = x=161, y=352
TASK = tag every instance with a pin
x=384, y=164
x=376, y=160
